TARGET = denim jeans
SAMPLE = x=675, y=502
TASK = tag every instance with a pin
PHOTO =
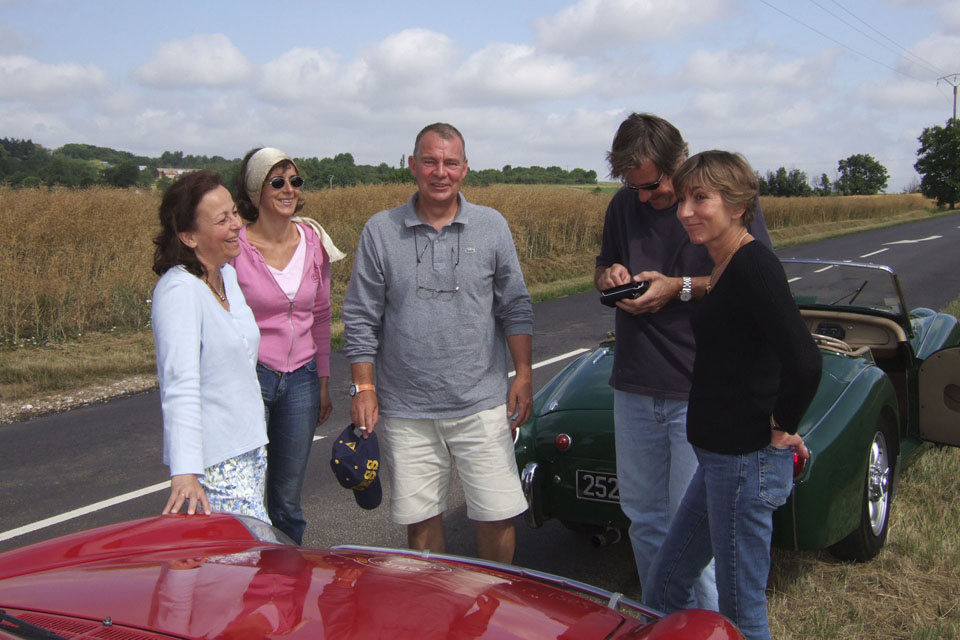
x=727, y=514
x=291, y=404
x=654, y=466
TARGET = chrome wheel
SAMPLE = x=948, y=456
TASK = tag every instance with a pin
x=878, y=483
x=879, y=486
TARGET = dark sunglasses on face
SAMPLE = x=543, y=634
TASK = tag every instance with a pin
x=650, y=186
x=277, y=182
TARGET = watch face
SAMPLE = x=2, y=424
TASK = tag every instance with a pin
x=686, y=296
x=353, y=390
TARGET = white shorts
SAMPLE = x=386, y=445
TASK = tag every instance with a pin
x=419, y=457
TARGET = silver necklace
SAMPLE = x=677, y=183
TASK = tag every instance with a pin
x=222, y=294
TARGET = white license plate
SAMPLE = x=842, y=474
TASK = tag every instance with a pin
x=597, y=486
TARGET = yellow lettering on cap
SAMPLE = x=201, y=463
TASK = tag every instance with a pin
x=352, y=445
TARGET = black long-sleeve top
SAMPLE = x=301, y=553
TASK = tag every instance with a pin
x=755, y=357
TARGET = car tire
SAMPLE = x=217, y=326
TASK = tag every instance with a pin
x=865, y=542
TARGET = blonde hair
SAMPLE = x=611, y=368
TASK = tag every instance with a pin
x=725, y=172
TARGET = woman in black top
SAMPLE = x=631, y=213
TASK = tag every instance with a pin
x=755, y=372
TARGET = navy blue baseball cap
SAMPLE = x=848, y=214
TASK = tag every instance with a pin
x=356, y=463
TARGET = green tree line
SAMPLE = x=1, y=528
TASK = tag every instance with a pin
x=860, y=174
x=24, y=163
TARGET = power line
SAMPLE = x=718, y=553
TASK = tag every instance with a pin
x=847, y=47
x=906, y=51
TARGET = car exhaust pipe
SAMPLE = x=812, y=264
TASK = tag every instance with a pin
x=610, y=535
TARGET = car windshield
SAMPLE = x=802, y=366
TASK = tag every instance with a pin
x=845, y=285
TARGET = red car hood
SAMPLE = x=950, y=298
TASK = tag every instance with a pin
x=240, y=587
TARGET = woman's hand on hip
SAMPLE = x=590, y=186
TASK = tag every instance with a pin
x=786, y=440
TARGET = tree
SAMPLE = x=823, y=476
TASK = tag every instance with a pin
x=939, y=163
x=123, y=175
x=784, y=183
x=824, y=186
x=861, y=174
x=70, y=172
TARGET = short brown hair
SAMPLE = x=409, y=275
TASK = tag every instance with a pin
x=725, y=172
x=445, y=131
x=644, y=136
x=178, y=212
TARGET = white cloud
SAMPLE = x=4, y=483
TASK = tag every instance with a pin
x=408, y=67
x=29, y=123
x=202, y=60
x=567, y=138
x=591, y=25
x=899, y=93
x=747, y=68
x=23, y=78
x=939, y=50
x=505, y=73
x=949, y=14
x=739, y=114
x=301, y=75
x=948, y=11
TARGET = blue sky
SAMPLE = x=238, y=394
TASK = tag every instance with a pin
x=794, y=83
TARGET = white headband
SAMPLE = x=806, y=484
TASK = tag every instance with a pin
x=258, y=166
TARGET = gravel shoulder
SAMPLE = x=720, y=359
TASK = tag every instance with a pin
x=23, y=410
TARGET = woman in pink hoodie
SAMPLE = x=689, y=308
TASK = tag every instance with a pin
x=284, y=272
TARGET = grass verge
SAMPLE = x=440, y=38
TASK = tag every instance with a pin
x=910, y=590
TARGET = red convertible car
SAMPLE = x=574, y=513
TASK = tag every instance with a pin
x=231, y=577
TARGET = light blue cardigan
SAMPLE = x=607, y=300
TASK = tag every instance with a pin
x=206, y=366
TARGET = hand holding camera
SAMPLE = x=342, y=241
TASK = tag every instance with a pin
x=627, y=291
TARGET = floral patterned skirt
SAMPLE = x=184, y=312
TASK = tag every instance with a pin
x=236, y=485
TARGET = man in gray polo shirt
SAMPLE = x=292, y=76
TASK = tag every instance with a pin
x=435, y=292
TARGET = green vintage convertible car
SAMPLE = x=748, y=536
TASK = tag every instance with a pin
x=890, y=387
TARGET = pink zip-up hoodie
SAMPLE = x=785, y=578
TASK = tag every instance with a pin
x=291, y=332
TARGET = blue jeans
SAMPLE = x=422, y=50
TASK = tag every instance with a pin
x=292, y=404
x=727, y=514
x=654, y=466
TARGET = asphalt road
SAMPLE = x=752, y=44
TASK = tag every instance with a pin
x=81, y=467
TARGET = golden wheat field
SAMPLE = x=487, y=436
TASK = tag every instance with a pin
x=79, y=260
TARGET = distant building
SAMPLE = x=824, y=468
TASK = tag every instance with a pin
x=172, y=174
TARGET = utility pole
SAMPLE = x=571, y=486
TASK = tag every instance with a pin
x=953, y=80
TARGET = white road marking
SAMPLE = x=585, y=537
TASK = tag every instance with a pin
x=915, y=241
x=824, y=269
x=544, y=363
x=91, y=508
x=873, y=253
x=794, y=279
x=82, y=511
x=139, y=493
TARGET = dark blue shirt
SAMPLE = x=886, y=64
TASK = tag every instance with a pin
x=653, y=353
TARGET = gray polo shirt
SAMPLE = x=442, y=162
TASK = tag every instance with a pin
x=432, y=309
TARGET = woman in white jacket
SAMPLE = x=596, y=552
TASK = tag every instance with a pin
x=206, y=343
